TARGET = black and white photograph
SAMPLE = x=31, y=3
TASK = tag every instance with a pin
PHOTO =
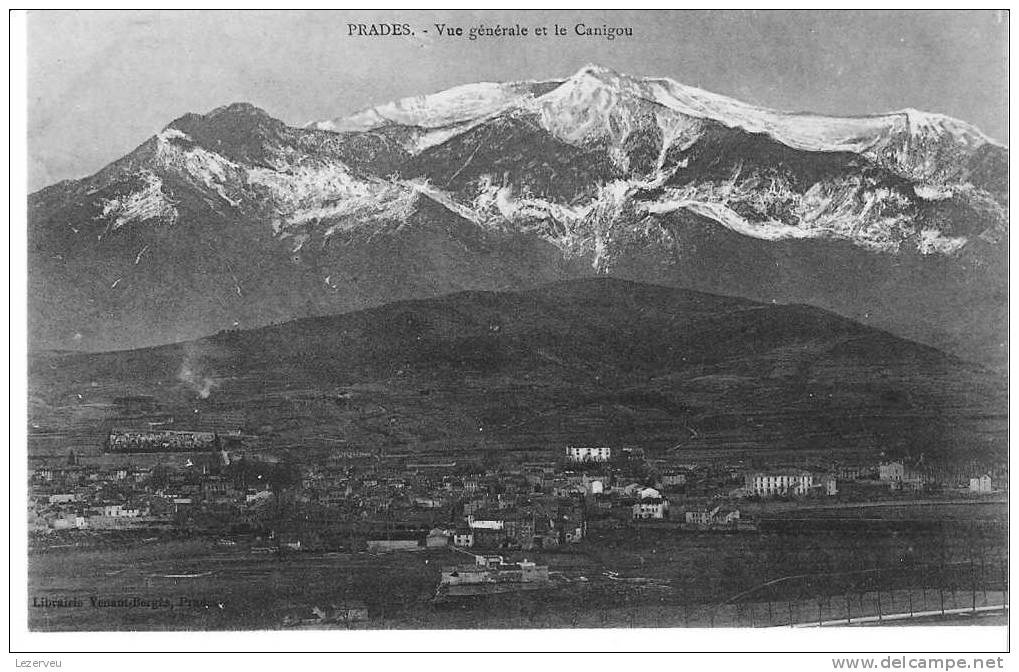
x=472, y=320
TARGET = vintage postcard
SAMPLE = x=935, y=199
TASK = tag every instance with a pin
x=516, y=320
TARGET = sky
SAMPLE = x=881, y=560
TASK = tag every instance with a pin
x=101, y=82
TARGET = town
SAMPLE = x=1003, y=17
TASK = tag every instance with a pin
x=394, y=504
x=207, y=485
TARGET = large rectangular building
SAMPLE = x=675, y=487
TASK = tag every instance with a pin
x=777, y=483
x=159, y=441
x=588, y=454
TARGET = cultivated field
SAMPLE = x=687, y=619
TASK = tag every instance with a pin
x=635, y=577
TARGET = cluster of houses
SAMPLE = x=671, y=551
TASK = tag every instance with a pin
x=405, y=504
x=84, y=497
x=919, y=476
x=78, y=497
x=490, y=574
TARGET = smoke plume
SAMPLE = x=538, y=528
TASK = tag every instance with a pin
x=191, y=375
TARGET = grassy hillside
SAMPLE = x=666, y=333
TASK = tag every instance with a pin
x=587, y=360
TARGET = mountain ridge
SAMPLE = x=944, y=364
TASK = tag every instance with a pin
x=585, y=179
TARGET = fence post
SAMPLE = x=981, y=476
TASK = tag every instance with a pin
x=983, y=577
x=1004, y=587
x=973, y=582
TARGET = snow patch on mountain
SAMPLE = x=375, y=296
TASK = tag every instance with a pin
x=147, y=203
x=594, y=105
x=599, y=105
x=932, y=241
x=390, y=204
x=314, y=195
x=304, y=189
x=769, y=230
x=434, y=111
x=328, y=200
x=308, y=185
x=213, y=171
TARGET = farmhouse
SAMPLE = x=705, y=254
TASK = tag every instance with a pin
x=983, y=484
x=651, y=509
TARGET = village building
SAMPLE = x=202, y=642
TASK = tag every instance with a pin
x=438, y=538
x=673, y=479
x=830, y=486
x=524, y=571
x=463, y=538
x=712, y=516
x=594, y=486
x=588, y=454
x=983, y=484
x=779, y=483
x=892, y=471
x=391, y=545
x=651, y=509
x=485, y=523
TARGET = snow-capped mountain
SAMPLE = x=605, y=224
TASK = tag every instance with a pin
x=234, y=219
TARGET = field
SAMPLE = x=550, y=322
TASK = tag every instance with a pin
x=634, y=577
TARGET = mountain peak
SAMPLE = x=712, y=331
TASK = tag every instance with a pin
x=245, y=112
x=238, y=130
x=237, y=110
x=597, y=71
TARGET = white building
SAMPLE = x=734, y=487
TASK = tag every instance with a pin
x=485, y=524
x=119, y=511
x=982, y=484
x=773, y=483
x=702, y=516
x=588, y=454
x=831, y=487
x=892, y=471
x=712, y=516
x=651, y=509
x=68, y=522
x=463, y=539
